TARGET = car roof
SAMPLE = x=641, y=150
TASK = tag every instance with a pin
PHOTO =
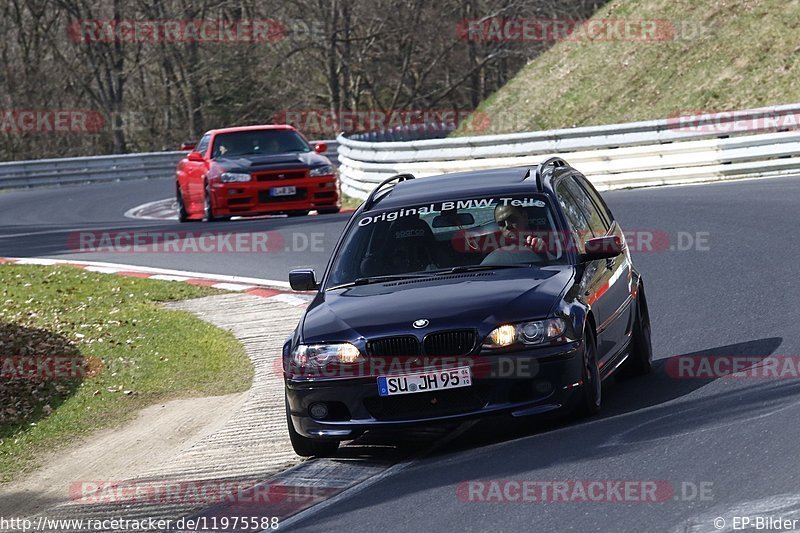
x=488, y=182
x=234, y=129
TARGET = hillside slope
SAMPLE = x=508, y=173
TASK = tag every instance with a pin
x=748, y=56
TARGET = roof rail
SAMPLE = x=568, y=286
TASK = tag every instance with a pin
x=372, y=200
x=555, y=162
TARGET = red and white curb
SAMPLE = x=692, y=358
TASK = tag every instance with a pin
x=167, y=209
x=264, y=288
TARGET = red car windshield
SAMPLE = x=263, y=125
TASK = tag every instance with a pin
x=257, y=142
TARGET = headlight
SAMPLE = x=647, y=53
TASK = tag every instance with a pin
x=528, y=333
x=324, y=170
x=320, y=355
x=234, y=177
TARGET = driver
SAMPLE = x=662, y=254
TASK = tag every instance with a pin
x=517, y=244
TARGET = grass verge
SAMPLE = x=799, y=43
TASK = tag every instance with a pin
x=130, y=351
x=716, y=55
x=349, y=202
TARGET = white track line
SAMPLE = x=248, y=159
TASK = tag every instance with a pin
x=259, y=282
x=367, y=483
x=130, y=213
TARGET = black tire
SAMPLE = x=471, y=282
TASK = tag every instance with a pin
x=208, y=209
x=640, y=360
x=297, y=213
x=183, y=216
x=306, y=447
x=591, y=394
x=329, y=210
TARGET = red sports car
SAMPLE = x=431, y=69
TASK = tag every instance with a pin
x=255, y=170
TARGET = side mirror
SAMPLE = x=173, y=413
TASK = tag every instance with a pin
x=603, y=248
x=195, y=156
x=303, y=279
x=321, y=148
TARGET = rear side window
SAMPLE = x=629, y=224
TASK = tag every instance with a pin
x=599, y=203
x=597, y=223
x=575, y=216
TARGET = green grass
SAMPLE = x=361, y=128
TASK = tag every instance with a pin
x=138, y=354
x=348, y=202
x=746, y=58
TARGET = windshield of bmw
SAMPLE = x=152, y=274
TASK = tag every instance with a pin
x=258, y=142
x=486, y=232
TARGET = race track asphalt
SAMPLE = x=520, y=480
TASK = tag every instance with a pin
x=732, y=292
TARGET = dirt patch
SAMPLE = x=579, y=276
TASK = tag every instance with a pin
x=159, y=433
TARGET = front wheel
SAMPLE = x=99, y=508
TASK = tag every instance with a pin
x=591, y=394
x=183, y=216
x=307, y=447
x=208, y=208
x=640, y=360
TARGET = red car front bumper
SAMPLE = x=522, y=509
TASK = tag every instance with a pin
x=271, y=192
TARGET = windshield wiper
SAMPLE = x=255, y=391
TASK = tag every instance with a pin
x=379, y=279
x=474, y=268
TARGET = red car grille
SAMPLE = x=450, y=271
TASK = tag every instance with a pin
x=276, y=175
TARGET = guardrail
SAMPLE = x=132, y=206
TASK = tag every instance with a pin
x=655, y=152
x=64, y=171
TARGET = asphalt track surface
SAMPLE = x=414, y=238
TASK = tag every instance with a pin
x=734, y=295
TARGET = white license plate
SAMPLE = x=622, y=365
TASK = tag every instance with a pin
x=453, y=378
x=283, y=191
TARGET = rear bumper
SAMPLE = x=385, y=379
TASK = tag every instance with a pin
x=255, y=197
x=354, y=404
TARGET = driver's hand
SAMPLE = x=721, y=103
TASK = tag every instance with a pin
x=536, y=244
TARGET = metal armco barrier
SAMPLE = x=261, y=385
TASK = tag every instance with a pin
x=636, y=154
x=64, y=171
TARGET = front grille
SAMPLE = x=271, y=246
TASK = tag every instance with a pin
x=426, y=404
x=393, y=347
x=265, y=198
x=450, y=343
x=280, y=175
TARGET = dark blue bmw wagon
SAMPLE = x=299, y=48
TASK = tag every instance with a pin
x=507, y=291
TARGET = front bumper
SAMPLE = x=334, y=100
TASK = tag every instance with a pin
x=254, y=198
x=519, y=384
